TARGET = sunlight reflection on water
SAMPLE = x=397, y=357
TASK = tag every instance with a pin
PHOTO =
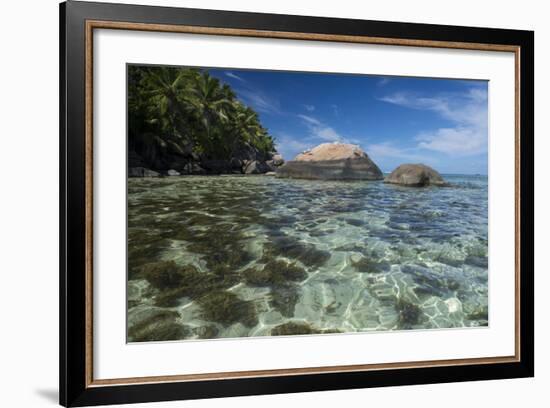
x=233, y=256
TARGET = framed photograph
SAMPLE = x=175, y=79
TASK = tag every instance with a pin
x=256, y=204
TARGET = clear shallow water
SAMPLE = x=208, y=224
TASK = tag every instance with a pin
x=233, y=256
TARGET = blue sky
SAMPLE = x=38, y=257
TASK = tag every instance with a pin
x=439, y=122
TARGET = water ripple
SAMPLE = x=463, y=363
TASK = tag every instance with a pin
x=366, y=256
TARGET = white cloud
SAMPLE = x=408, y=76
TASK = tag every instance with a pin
x=383, y=81
x=467, y=110
x=234, y=76
x=437, y=104
x=309, y=120
x=289, y=146
x=328, y=133
x=260, y=101
x=388, y=150
x=309, y=108
x=478, y=94
x=384, y=150
x=458, y=141
x=320, y=130
x=253, y=96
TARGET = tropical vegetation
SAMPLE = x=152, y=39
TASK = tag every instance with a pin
x=176, y=112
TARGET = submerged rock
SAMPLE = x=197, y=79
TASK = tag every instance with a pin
x=284, y=299
x=332, y=161
x=415, y=175
x=206, y=332
x=479, y=313
x=364, y=264
x=479, y=261
x=157, y=325
x=290, y=247
x=293, y=328
x=174, y=281
x=274, y=272
x=297, y=328
x=226, y=308
x=409, y=313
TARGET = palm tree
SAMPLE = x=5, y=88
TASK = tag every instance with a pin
x=211, y=104
x=164, y=89
x=166, y=113
x=245, y=127
x=184, y=110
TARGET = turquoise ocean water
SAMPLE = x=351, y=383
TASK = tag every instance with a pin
x=241, y=256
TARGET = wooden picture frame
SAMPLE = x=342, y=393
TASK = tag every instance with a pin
x=78, y=20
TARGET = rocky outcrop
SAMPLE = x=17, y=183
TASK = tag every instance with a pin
x=332, y=161
x=193, y=168
x=245, y=160
x=415, y=175
x=135, y=160
x=277, y=160
x=222, y=166
x=256, y=167
x=142, y=172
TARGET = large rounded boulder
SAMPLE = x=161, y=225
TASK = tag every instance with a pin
x=415, y=175
x=332, y=161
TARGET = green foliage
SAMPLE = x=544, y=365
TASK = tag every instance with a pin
x=183, y=111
